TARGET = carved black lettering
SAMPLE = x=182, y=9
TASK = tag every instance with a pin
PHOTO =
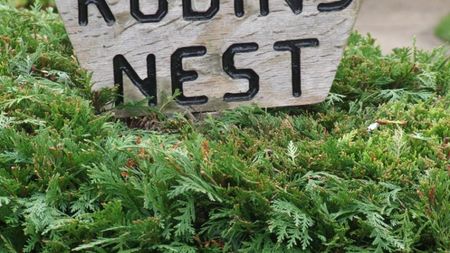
x=146, y=86
x=179, y=75
x=296, y=6
x=294, y=46
x=143, y=18
x=102, y=7
x=334, y=6
x=249, y=74
x=239, y=7
x=190, y=14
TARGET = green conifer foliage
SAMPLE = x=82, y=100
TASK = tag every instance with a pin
x=309, y=179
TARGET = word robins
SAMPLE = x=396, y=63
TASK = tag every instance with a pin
x=148, y=86
x=188, y=12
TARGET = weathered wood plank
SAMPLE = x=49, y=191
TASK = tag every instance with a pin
x=96, y=44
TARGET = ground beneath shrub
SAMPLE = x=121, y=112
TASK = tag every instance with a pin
x=395, y=22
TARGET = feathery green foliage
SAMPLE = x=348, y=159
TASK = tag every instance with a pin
x=29, y=3
x=309, y=179
x=443, y=29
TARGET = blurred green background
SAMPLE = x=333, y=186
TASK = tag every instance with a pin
x=443, y=30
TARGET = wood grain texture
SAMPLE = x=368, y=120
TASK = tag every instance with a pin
x=97, y=43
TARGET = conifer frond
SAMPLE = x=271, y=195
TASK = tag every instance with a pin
x=184, y=228
x=292, y=151
x=290, y=224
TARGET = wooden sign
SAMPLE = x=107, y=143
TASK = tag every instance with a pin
x=215, y=54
